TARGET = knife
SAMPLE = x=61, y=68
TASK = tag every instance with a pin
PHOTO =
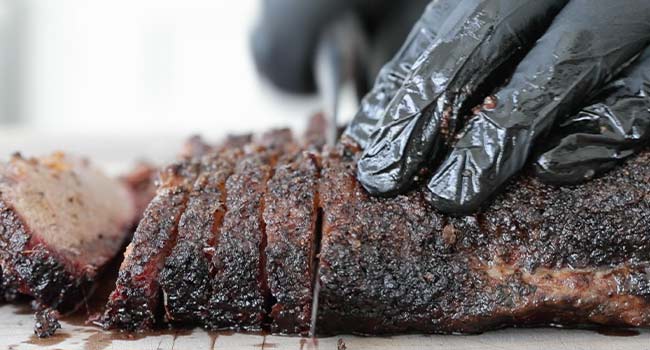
x=339, y=61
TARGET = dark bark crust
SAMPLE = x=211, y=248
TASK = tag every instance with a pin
x=29, y=267
x=240, y=296
x=133, y=304
x=185, y=279
x=238, y=299
x=290, y=215
x=538, y=255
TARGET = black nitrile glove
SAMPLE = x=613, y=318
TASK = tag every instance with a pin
x=286, y=37
x=574, y=55
x=616, y=126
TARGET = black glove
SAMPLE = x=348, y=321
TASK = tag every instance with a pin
x=286, y=37
x=615, y=127
x=579, y=51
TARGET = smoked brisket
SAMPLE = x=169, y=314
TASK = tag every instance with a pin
x=539, y=255
x=61, y=222
x=240, y=293
x=186, y=277
x=291, y=217
x=249, y=250
x=133, y=304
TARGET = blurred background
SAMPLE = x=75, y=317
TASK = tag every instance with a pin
x=122, y=79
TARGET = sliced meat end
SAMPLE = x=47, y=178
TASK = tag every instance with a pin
x=290, y=216
x=185, y=279
x=61, y=222
x=133, y=304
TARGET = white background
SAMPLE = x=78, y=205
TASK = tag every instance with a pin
x=133, y=77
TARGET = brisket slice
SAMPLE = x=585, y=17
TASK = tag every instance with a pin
x=240, y=295
x=133, y=303
x=291, y=220
x=290, y=215
x=61, y=222
x=185, y=279
x=539, y=255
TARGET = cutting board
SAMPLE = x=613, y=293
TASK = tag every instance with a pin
x=16, y=324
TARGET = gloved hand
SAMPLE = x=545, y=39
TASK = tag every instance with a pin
x=287, y=34
x=414, y=118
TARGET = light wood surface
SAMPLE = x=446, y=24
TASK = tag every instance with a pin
x=16, y=334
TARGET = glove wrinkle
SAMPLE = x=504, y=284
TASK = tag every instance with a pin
x=573, y=60
x=601, y=135
x=474, y=42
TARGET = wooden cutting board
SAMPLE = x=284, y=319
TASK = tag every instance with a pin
x=16, y=324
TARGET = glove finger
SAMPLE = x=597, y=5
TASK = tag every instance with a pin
x=393, y=74
x=597, y=138
x=571, y=62
x=477, y=39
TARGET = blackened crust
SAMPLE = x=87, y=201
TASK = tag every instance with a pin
x=539, y=255
x=290, y=215
x=134, y=302
x=185, y=279
x=238, y=299
x=31, y=268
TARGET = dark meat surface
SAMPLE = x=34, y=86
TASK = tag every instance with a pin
x=240, y=293
x=61, y=222
x=186, y=277
x=290, y=215
x=133, y=303
x=539, y=255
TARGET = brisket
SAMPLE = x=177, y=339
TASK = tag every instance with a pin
x=133, y=303
x=249, y=250
x=539, y=255
x=290, y=215
x=291, y=220
x=185, y=280
x=61, y=222
x=240, y=295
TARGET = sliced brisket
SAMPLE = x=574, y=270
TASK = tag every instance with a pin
x=240, y=294
x=539, y=255
x=186, y=280
x=133, y=303
x=290, y=215
x=61, y=222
